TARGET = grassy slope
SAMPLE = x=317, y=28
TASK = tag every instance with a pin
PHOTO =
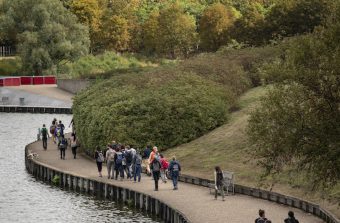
x=227, y=146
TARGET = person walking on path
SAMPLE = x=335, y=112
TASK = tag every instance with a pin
x=62, y=127
x=175, y=169
x=262, y=218
x=74, y=145
x=119, y=157
x=45, y=135
x=137, y=164
x=291, y=218
x=156, y=170
x=219, y=186
x=128, y=158
x=62, y=145
x=146, y=155
x=110, y=162
x=52, y=130
x=164, y=168
x=99, y=160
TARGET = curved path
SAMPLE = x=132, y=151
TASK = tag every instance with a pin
x=193, y=201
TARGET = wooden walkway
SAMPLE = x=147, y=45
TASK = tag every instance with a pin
x=193, y=201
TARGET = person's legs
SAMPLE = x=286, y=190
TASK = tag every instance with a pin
x=44, y=143
x=128, y=173
x=174, y=179
x=117, y=172
x=100, y=166
x=108, y=166
x=222, y=191
x=156, y=178
x=64, y=153
x=121, y=170
x=139, y=172
x=61, y=153
x=216, y=191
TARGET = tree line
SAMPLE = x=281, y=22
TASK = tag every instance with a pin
x=48, y=33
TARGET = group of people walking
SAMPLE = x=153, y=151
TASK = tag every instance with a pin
x=126, y=161
x=262, y=218
x=57, y=132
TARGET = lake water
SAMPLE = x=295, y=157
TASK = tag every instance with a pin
x=24, y=199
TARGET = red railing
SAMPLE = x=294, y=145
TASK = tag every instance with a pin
x=27, y=80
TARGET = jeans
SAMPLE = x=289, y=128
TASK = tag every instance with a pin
x=110, y=168
x=62, y=153
x=156, y=178
x=138, y=170
x=163, y=175
x=174, y=176
x=119, y=170
x=128, y=170
x=74, y=151
x=44, y=140
x=221, y=189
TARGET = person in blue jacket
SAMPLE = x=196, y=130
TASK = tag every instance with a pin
x=174, y=169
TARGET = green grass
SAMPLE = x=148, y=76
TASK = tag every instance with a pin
x=227, y=146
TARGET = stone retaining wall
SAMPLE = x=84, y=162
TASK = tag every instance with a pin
x=109, y=191
x=38, y=109
x=72, y=86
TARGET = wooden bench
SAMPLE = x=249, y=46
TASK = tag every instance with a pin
x=228, y=182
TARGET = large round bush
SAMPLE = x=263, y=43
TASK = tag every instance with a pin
x=160, y=109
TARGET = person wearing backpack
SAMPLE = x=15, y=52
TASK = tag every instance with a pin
x=175, y=169
x=218, y=174
x=110, y=161
x=119, y=158
x=52, y=131
x=99, y=160
x=291, y=218
x=62, y=147
x=62, y=127
x=262, y=218
x=74, y=145
x=137, y=163
x=58, y=134
x=156, y=170
x=164, y=168
x=128, y=159
x=45, y=135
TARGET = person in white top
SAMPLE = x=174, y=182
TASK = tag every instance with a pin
x=110, y=161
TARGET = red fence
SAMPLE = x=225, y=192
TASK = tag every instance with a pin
x=27, y=80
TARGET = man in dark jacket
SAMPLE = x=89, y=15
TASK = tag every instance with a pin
x=175, y=169
x=262, y=218
x=291, y=218
x=45, y=135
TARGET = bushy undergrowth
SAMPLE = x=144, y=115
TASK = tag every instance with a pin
x=103, y=65
x=159, y=108
x=10, y=67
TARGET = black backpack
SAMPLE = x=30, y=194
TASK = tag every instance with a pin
x=128, y=156
x=156, y=166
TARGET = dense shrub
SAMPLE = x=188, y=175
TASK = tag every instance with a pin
x=92, y=66
x=10, y=67
x=161, y=108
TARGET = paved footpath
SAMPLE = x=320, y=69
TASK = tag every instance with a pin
x=51, y=91
x=193, y=201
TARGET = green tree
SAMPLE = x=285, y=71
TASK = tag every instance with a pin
x=297, y=123
x=176, y=32
x=215, y=23
x=89, y=13
x=45, y=32
x=291, y=17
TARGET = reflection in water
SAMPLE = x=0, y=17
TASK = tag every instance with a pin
x=23, y=199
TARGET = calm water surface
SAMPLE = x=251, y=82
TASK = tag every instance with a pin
x=23, y=199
